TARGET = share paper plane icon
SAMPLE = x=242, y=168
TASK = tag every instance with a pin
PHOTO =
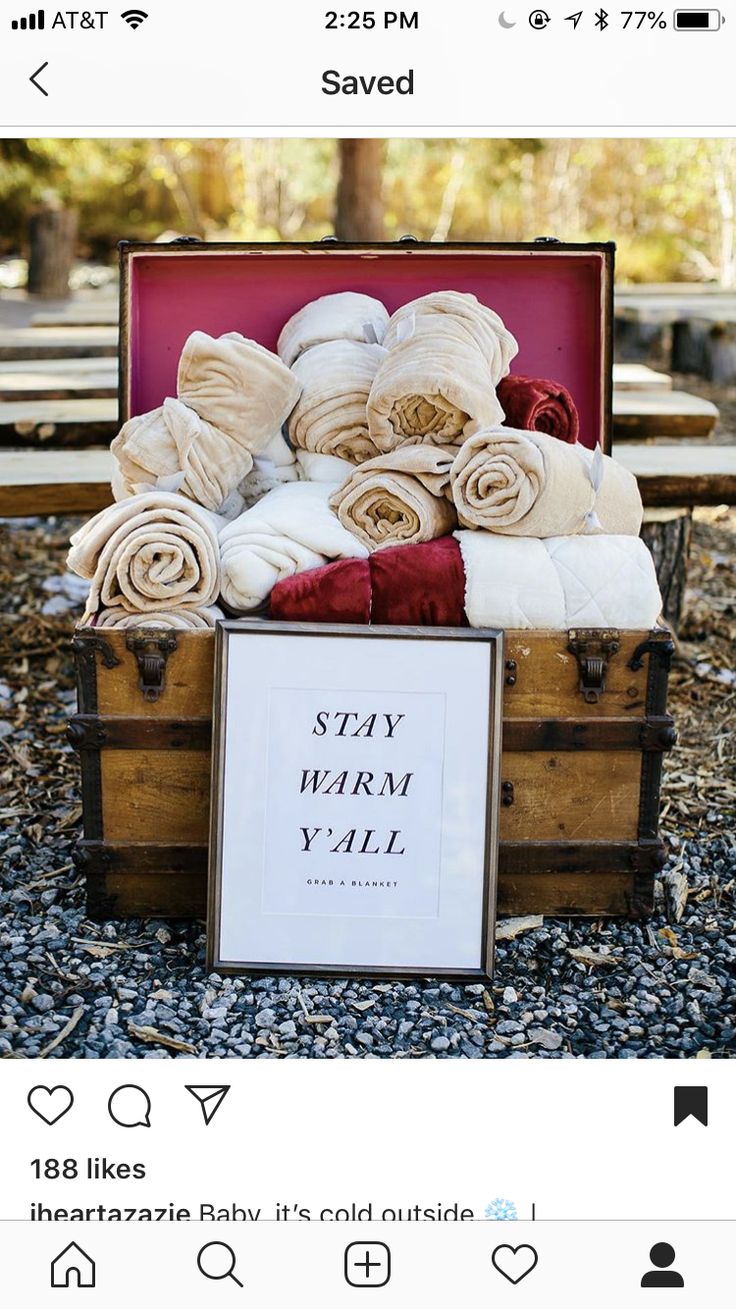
x=210, y=1098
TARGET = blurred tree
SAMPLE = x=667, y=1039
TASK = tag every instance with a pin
x=359, y=204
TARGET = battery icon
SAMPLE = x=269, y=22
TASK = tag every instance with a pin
x=698, y=20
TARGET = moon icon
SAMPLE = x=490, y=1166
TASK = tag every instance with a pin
x=503, y=20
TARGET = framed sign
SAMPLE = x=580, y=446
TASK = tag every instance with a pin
x=355, y=799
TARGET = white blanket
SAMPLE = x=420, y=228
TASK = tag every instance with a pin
x=291, y=529
x=487, y=328
x=233, y=396
x=435, y=387
x=331, y=416
x=149, y=553
x=183, y=619
x=559, y=583
x=345, y=316
x=531, y=484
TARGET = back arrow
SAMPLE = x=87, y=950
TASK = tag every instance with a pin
x=37, y=73
x=574, y=19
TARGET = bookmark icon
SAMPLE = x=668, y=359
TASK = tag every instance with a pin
x=210, y=1098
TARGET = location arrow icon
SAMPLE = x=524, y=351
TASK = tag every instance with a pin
x=37, y=73
x=574, y=19
x=210, y=1098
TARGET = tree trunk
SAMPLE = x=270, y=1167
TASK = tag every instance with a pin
x=667, y=533
x=52, y=237
x=359, y=209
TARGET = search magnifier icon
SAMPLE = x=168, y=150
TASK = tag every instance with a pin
x=216, y=1260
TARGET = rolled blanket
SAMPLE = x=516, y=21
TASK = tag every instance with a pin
x=331, y=417
x=530, y=484
x=183, y=619
x=486, y=327
x=152, y=552
x=398, y=498
x=233, y=396
x=435, y=387
x=559, y=583
x=417, y=585
x=345, y=316
x=535, y=405
x=289, y=530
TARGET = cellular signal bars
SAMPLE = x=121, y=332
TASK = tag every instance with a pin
x=33, y=23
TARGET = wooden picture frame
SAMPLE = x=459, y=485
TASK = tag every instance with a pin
x=319, y=773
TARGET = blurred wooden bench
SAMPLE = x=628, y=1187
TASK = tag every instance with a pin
x=661, y=414
x=639, y=377
x=59, y=379
x=43, y=482
x=673, y=480
x=68, y=422
x=58, y=342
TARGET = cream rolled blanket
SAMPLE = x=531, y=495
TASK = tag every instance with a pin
x=183, y=619
x=289, y=530
x=487, y=328
x=152, y=552
x=531, y=484
x=559, y=583
x=398, y=499
x=344, y=316
x=331, y=416
x=436, y=387
x=233, y=396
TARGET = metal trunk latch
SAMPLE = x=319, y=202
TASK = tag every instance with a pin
x=593, y=647
x=151, y=650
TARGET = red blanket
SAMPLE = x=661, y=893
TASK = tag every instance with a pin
x=404, y=585
x=534, y=405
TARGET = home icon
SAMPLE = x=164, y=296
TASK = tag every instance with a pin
x=72, y=1267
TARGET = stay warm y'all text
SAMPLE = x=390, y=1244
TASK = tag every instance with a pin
x=354, y=782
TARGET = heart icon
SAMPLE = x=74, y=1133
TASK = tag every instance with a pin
x=50, y=1102
x=514, y=1262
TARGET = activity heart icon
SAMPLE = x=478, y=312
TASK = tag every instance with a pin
x=50, y=1102
x=514, y=1262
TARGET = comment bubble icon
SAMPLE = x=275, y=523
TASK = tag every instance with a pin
x=130, y=1106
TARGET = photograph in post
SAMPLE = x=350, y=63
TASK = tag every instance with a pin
x=367, y=614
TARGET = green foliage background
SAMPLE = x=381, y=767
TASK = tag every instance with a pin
x=669, y=204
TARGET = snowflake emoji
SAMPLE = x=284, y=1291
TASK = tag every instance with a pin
x=501, y=1210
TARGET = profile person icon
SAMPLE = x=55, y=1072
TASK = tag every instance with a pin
x=663, y=1274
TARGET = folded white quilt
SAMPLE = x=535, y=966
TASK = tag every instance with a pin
x=183, y=619
x=344, y=316
x=233, y=396
x=559, y=583
x=149, y=553
x=531, y=484
x=331, y=416
x=289, y=530
x=399, y=498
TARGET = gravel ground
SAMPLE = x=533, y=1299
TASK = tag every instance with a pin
x=69, y=987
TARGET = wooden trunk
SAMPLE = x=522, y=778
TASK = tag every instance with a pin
x=585, y=726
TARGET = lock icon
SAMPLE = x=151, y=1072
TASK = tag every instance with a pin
x=539, y=19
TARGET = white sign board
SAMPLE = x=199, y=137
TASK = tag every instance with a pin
x=355, y=799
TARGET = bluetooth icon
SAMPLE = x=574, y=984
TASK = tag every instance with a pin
x=601, y=19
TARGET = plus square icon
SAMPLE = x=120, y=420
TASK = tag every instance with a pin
x=367, y=1263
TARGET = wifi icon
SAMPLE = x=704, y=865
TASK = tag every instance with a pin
x=134, y=17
